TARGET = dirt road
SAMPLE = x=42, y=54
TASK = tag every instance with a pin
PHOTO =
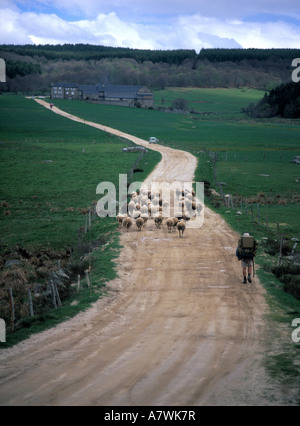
x=178, y=328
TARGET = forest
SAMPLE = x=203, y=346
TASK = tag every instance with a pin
x=32, y=68
x=284, y=101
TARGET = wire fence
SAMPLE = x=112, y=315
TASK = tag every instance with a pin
x=24, y=301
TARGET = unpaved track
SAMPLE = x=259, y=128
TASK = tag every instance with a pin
x=178, y=327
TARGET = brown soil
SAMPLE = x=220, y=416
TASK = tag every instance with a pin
x=178, y=328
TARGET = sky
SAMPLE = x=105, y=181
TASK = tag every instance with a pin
x=153, y=24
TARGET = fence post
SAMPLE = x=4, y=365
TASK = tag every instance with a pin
x=12, y=309
x=30, y=303
x=59, y=304
x=87, y=278
x=85, y=228
x=53, y=294
x=280, y=250
x=294, y=248
x=78, y=284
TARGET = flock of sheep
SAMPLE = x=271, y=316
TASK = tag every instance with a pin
x=145, y=205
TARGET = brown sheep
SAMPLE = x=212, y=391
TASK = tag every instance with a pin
x=145, y=218
x=120, y=218
x=158, y=221
x=175, y=221
x=170, y=224
x=127, y=223
x=181, y=228
x=139, y=223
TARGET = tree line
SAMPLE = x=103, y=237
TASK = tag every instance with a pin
x=22, y=68
x=95, y=52
x=237, y=55
x=32, y=68
x=176, y=56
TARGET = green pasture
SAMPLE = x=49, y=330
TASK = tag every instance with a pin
x=246, y=148
x=217, y=101
x=50, y=168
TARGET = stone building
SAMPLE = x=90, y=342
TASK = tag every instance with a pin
x=104, y=93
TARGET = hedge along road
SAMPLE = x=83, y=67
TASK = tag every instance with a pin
x=178, y=327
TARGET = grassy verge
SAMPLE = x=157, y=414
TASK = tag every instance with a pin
x=50, y=168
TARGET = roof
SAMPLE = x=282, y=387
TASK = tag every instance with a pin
x=64, y=84
x=121, y=91
x=88, y=88
x=110, y=90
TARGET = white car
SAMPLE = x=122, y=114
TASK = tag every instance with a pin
x=153, y=140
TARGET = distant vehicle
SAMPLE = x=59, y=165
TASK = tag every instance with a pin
x=153, y=140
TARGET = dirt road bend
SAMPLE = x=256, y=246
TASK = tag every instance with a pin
x=178, y=327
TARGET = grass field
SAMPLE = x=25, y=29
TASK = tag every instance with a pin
x=247, y=149
x=46, y=178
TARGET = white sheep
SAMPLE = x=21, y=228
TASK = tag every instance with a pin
x=144, y=210
x=120, y=218
x=181, y=228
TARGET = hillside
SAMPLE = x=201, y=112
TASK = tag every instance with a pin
x=33, y=68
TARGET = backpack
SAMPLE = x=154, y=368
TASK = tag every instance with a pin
x=246, y=248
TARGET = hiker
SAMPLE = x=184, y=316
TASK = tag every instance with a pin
x=245, y=252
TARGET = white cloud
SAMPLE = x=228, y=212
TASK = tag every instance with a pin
x=188, y=31
x=235, y=9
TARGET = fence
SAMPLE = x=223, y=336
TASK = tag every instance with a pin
x=255, y=213
x=55, y=280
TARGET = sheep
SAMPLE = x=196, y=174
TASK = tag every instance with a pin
x=179, y=215
x=181, y=228
x=131, y=206
x=144, y=210
x=175, y=221
x=170, y=224
x=120, y=218
x=186, y=217
x=135, y=214
x=158, y=221
x=145, y=218
x=155, y=201
x=127, y=223
x=144, y=200
x=139, y=223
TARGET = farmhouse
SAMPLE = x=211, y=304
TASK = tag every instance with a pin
x=104, y=93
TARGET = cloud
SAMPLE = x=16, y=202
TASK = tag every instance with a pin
x=235, y=9
x=184, y=31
